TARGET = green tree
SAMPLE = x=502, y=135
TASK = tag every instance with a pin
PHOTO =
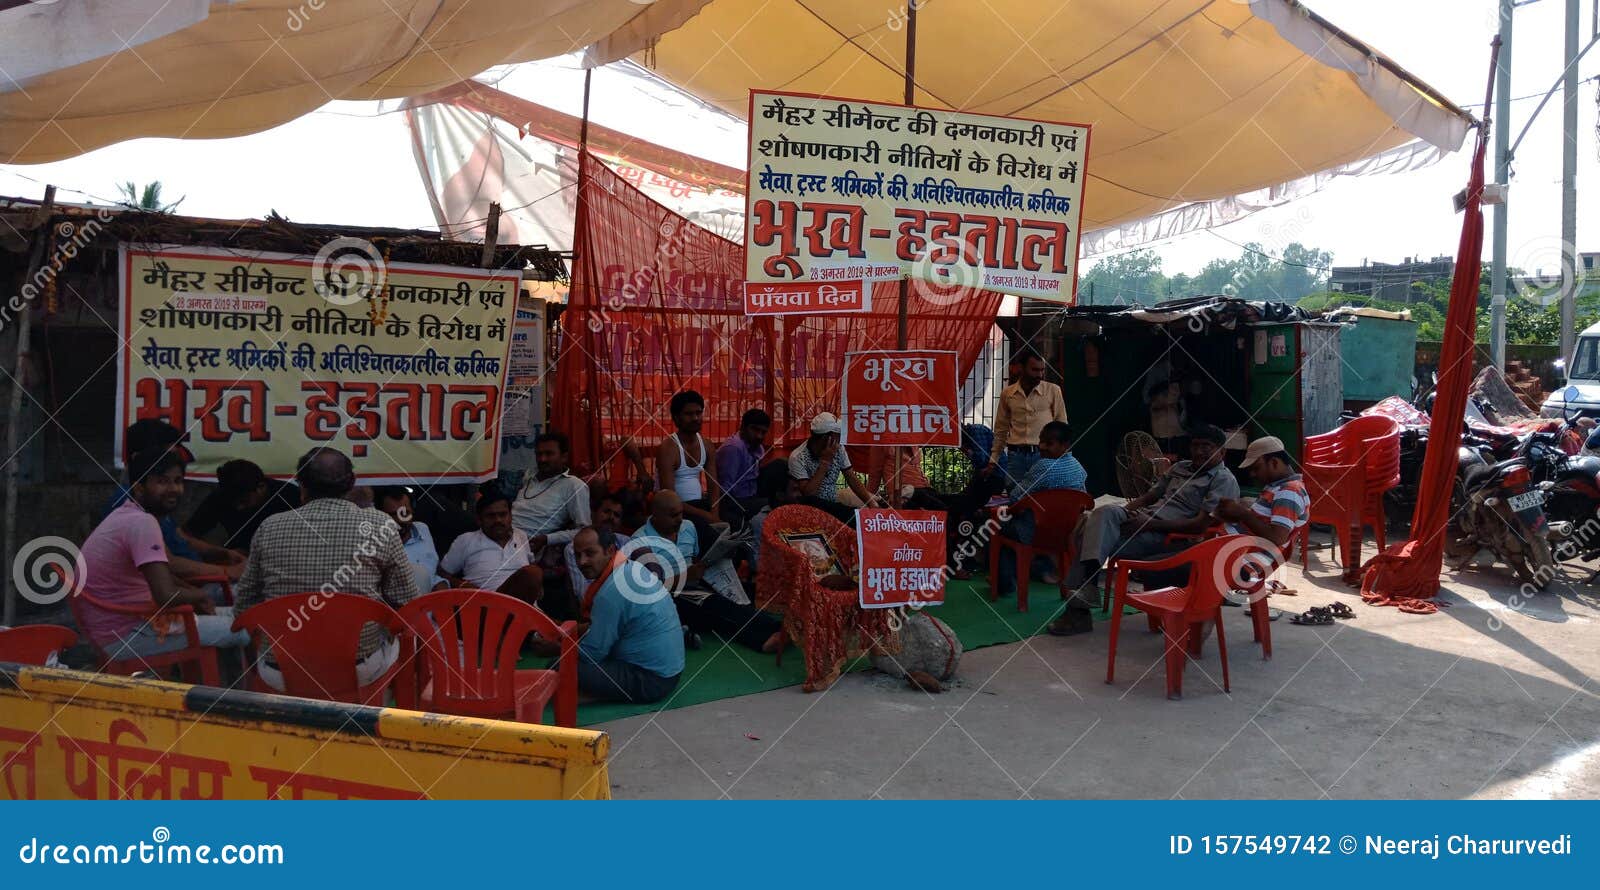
x=1130, y=278
x=147, y=198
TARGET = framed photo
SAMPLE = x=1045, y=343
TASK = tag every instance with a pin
x=815, y=546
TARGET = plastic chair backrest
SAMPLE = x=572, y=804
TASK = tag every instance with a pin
x=35, y=643
x=1055, y=516
x=314, y=639
x=1337, y=491
x=1225, y=564
x=470, y=641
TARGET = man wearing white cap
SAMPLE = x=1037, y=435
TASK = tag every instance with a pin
x=1283, y=506
x=814, y=470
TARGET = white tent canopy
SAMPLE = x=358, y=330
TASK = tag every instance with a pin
x=1192, y=101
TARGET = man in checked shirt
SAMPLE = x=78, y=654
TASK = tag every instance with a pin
x=329, y=545
x=1180, y=502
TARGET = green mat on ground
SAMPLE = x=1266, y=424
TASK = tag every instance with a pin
x=722, y=670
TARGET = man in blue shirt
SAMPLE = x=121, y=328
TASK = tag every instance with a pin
x=633, y=649
x=676, y=545
x=415, y=537
x=1055, y=470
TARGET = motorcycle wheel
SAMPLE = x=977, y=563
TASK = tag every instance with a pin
x=1538, y=564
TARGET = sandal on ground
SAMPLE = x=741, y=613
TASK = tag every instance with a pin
x=1315, y=616
x=1341, y=610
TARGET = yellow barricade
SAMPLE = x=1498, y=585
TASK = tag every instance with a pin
x=72, y=734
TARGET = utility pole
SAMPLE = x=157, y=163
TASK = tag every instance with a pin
x=1569, y=181
x=1502, y=175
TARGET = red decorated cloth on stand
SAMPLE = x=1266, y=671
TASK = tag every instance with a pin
x=1407, y=574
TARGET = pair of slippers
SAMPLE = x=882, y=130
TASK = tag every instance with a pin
x=1323, y=615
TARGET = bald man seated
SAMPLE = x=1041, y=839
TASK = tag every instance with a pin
x=675, y=546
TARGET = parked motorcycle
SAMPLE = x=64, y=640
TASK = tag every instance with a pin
x=1499, y=507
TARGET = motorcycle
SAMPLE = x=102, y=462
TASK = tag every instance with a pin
x=1571, y=483
x=1499, y=507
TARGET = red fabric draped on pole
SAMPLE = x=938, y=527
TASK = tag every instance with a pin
x=656, y=307
x=1407, y=575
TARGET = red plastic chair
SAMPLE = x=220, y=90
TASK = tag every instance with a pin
x=1374, y=442
x=467, y=643
x=196, y=664
x=1181, y=613
x=35, y=643
x=314, y=638
x=1338, y=495
x=1056, y=515
x=218, y=579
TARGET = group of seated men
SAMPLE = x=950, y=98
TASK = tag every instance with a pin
x=640, y=599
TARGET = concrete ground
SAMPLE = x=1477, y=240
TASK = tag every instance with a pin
x=1490, y=697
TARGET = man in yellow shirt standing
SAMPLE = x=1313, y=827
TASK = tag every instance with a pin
x=1025, y=407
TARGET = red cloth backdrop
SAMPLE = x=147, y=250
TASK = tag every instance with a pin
x=656, y=308
x=1407, y=574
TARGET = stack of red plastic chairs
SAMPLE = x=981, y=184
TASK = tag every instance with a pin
x=1371, y=441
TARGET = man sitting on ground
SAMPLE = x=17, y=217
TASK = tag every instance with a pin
x=1055, y=470
x=738, y=466
x=496, y=556
x=686, y=465
x=1284, y=505
x=552, y=504
x=700, y=607
x=415, y=536
x=1180, y=502
x=244, y=498
x=125, y=564
x=815, y=468
x=333, y=546
x=607, y=516
x=633, y=648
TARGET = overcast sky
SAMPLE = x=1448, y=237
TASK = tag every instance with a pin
x=350, y=164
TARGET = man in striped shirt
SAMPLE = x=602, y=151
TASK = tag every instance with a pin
x=1283, y=506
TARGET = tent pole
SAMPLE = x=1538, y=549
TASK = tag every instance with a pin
x=900, y=322
x=41, y=236
x=1502, y=175
x=1571, y=270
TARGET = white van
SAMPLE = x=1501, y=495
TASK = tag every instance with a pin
x=1581, y=396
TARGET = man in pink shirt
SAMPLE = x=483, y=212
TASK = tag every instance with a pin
x=126, y=563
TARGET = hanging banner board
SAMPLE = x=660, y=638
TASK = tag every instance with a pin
x=900, y=397
x=845, y=190
x=262, y=356
x=902, y=557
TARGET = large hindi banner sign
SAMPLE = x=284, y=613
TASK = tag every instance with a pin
x=843, y=190
x=903, y=397
x=262, y=355
x=901, y=557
